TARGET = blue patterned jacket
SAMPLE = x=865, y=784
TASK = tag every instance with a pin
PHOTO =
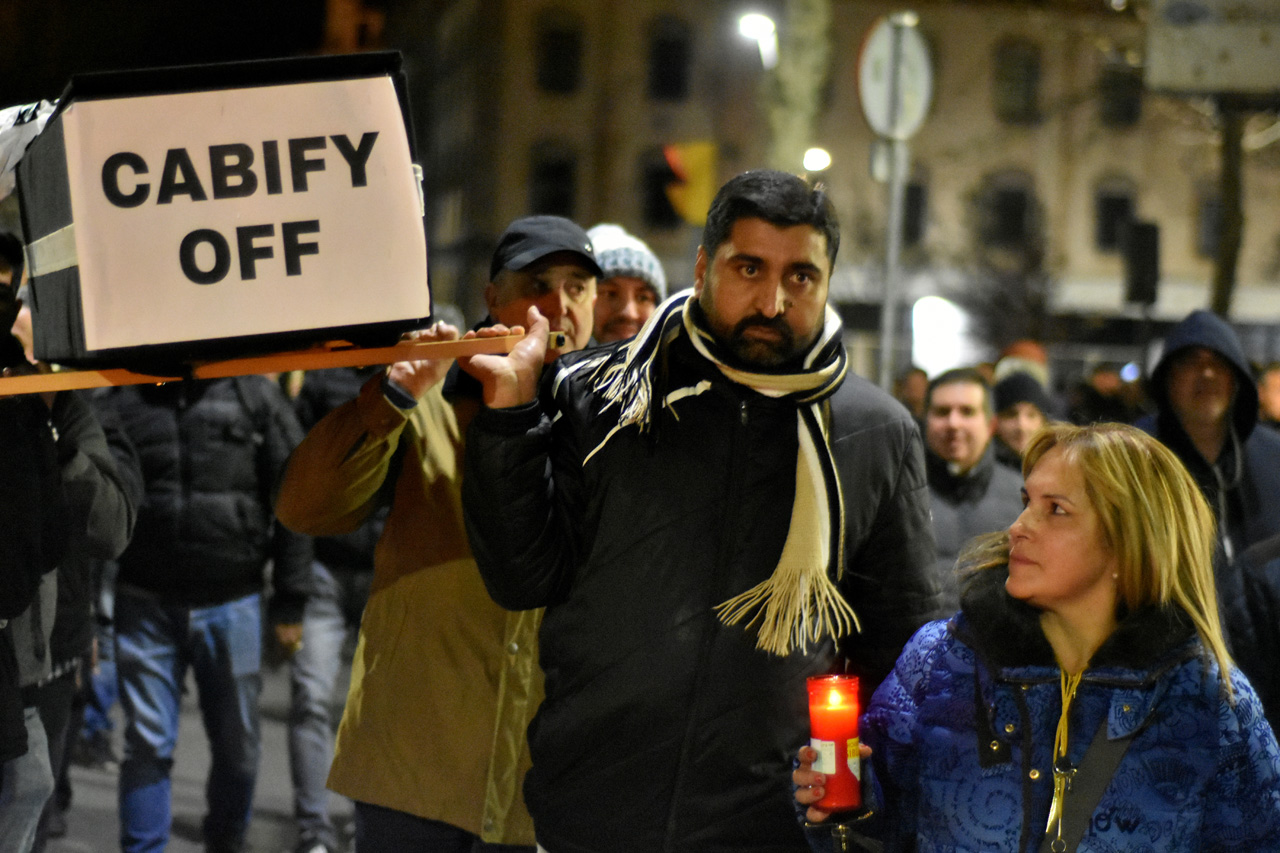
x=963, y=730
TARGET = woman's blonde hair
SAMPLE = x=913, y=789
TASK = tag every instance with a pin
x=1153, y=518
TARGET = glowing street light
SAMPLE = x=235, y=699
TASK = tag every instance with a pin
x=816, y=159
x=760, y=29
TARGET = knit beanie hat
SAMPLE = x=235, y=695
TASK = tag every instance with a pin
x=1020, y=388
x=622, y=254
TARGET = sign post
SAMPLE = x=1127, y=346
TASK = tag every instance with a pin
x=895, y=82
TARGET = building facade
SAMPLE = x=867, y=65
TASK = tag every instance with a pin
x=1040, y=145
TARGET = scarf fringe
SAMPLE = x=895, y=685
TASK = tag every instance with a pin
x=791, y=611
x=628, y=385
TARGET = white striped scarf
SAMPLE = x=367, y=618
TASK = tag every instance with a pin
x=799, y=603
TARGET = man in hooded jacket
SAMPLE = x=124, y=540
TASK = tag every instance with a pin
x=1207, y=408
x=1207, y=411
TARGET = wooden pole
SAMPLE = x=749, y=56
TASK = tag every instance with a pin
x=310, y=359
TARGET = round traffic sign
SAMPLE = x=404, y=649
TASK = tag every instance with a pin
x=895, y=78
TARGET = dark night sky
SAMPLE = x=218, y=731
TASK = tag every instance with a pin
x=44, y=42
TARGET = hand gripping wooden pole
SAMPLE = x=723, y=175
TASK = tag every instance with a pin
x=339, y=354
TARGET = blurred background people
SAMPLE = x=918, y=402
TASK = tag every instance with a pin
x=189, y=596
x=1269, y=395
x=1252, y=621
x=910, y=389
x=970, y=493
x=632, y=283
x=1207, y=413
x=104, y=488
x=53, y=636
x=1101, y=398
x=341, y=575
x=1021, y=407
x=36, y=529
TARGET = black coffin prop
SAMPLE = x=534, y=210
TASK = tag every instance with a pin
x=214, y=211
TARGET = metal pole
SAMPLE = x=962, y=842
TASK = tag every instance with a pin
x=892, y=252
x=893, y=237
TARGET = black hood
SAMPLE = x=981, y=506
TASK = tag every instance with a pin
x=1208, y=330
x=1007, y=631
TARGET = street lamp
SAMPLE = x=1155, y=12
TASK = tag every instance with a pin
x=816, y=159
x=760, y=29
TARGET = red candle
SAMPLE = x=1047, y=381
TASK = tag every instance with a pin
x=833, y=724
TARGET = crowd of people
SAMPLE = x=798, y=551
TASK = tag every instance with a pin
x=583, y=582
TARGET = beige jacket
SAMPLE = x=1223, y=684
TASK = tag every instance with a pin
x=444, y=681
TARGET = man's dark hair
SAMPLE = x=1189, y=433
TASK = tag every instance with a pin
x=967, y=376
x=779, y=198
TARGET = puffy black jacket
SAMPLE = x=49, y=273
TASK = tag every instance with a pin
x=664, y=729
x=103, y=481
x=322, y=392
x=33, y=511
x=1252, y=617
x=212, y=452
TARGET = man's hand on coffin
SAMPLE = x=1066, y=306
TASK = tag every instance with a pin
x=417, y=377
x=512, y=379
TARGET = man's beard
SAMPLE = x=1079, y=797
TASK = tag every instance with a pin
x=763, y=352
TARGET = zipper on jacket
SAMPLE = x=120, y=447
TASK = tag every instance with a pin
x=737, y=450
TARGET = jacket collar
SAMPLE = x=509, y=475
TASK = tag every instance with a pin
x=1006, y=633
x=961, y=488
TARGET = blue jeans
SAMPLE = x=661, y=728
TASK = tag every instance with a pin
x=332, y=612
x=25, y=785
x=155, y=644
x=383, y=830
x=102, y=682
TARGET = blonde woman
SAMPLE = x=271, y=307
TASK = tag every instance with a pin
x=1083, y=697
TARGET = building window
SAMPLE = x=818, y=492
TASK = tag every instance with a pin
x=915, y=209
x=1017, y=81
x=655, y=176
x=559, y=47
x=1007, y=215
x=553, y=179
x=1208, y=223
x=670, y=55
x=1113, y=211
x=1120, y=95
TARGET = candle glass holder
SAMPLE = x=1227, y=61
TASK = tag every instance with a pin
x=833, y=726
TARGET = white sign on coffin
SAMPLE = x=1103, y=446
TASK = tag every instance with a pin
x=240, y=212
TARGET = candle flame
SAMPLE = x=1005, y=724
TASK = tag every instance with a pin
x=835, y=698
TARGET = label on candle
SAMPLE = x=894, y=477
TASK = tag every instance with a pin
x=826, y=750
x=855, y=765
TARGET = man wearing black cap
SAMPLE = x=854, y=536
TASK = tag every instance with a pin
x=549, y=262
x=432, y=741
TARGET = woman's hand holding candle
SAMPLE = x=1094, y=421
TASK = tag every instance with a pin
x=811, y=785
